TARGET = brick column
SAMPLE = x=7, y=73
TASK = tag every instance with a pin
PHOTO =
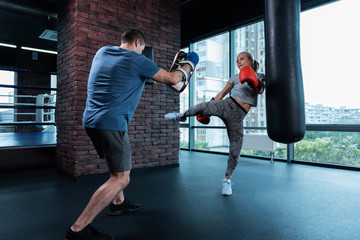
x=84, y=27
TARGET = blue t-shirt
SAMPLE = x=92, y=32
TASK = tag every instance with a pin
x=116, y=81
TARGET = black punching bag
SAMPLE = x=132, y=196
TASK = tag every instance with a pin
x=285, y=107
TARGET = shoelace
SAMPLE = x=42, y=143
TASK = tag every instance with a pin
x=231, y=182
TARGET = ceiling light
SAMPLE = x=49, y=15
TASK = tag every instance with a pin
x=7, y=45
x=39, y=50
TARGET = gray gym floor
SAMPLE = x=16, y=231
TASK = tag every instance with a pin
x=269, y=201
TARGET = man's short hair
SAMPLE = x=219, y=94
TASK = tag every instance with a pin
x=130, y=36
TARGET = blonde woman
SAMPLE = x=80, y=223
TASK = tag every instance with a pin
x=231, y=110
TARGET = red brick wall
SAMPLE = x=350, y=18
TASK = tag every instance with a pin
x=84, y=27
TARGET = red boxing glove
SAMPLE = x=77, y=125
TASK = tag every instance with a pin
x=204, y=119
x=247, y=74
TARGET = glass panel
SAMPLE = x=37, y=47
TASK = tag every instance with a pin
x=252, y=39
x=184, y=102
x=211, y=140
x=184, y=96
x=329, y=56
x=341, y=148
x=184, y=138
x=212, y=71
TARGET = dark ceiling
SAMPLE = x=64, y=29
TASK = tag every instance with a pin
x=200, y=18
x=22, y=21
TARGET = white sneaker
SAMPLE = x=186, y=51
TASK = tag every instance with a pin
x=173, y=117
x=226, y=191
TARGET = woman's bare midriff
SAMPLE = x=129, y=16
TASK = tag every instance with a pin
x=246, y=106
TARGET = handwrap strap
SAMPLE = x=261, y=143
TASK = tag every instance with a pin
x=184, y=73
x=188, y=62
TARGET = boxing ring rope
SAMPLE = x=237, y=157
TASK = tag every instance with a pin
x=44, y=105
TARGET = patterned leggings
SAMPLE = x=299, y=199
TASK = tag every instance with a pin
x=232, y=115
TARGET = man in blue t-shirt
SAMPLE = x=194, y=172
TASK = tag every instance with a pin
x=116, y=82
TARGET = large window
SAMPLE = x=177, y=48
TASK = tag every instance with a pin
x=329, y=55
x=251, y=39
x=212, y=71
x=211, y=76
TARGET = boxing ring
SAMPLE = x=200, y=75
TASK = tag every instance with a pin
x=27, y=140
x=27, y=131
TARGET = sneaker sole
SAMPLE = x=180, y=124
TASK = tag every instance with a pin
x=225, y=194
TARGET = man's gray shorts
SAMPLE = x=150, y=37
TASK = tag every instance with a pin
x=114, y=146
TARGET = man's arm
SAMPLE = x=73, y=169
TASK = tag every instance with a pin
x=170, y=78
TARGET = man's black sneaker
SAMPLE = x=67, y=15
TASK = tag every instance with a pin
x=88, y=233
x=125, y=207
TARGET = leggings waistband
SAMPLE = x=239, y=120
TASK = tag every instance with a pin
x=238, y=104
